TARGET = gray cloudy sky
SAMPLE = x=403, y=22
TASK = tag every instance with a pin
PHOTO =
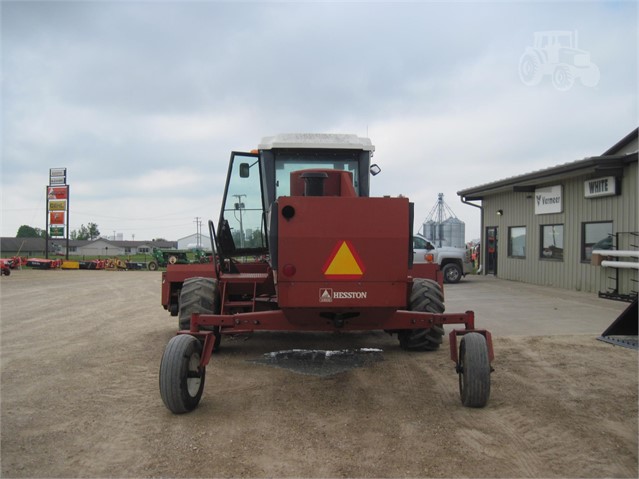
x=143, y=101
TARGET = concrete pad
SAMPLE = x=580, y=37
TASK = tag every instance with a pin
x=511, y=308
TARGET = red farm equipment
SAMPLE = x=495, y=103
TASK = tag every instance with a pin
x=301, y=246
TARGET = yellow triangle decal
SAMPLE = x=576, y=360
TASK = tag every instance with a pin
x=343, y=263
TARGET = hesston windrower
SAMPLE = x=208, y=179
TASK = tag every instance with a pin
x=301, y=246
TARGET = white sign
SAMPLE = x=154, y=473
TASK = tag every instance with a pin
x=57, y=181
x=57, y=172
x=548, y=200
x=600, y=187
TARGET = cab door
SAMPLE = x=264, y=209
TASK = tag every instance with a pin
x=241, y=229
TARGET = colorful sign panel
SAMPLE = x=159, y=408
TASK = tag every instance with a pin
x=58, y=192
x=56, y=218
x=56, y=231
x=58, y=205
x=57, y=214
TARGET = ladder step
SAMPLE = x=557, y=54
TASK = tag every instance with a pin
x=238, y=304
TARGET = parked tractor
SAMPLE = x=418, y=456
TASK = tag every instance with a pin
x=300, y=245
x=162, y=258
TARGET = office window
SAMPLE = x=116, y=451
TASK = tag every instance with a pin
x=517, y=241
x=595, y=236
x=552, y=242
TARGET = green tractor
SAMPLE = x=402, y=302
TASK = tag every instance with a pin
x=162, y=258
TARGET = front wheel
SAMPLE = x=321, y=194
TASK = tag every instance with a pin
x=181, y=377
x=153, y=266
x=474, y=370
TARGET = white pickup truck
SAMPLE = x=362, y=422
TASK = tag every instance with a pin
x=454, y=262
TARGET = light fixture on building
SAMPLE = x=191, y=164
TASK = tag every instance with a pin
x=500, y=212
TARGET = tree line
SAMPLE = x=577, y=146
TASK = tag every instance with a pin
x=89, y=232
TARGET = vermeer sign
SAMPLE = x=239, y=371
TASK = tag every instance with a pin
x=600, y=187
x=548, y=200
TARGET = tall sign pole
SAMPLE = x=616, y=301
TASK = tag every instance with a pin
x=57, y=224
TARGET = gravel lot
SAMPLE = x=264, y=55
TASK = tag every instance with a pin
x=80, y=353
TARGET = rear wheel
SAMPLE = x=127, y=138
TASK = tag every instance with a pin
x=181, y=377
x=199, y=295
x=426, y=297
x=474, y=370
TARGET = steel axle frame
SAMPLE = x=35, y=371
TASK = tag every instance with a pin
x=276, y=320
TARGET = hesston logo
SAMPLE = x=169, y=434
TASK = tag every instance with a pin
x=327, y=295
x=343, y=262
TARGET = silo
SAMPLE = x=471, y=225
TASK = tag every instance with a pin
x=429, y=230
x=454, y=233
x=442, y=228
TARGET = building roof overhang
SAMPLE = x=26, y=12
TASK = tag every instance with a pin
x=605, y=165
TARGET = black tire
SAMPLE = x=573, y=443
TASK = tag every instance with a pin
x=153, y=266
x=198, y=295
x=474, y=370
x=452, y=273
x=181, y=378
x=426, y=296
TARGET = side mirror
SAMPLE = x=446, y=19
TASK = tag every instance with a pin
x=375, y=170
x=244, y=170
x=429, y=246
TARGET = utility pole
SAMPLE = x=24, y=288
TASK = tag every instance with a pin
x=240, y=206
x=198, y=229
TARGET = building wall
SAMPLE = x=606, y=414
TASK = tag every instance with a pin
x=571, y=273
x=100, y=248
x=191, y=240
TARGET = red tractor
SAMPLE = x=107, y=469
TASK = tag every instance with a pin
x=301, y=246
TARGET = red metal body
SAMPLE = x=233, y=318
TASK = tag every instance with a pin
x=301, y=246
x=352, y=274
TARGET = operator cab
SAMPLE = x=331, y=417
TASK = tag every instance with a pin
x=287, y=165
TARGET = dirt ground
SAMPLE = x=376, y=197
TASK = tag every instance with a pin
x=80, y=353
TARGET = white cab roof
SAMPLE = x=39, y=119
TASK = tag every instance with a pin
x=316, y=140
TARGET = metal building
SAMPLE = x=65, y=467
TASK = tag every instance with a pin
x=541, y=227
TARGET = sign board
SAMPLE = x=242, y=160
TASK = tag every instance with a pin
x=58, y=205
x=597, y=187
x=56, y=218
x=57, y=181
x=56, y=172
x=56, y=231
x=548, y=200
x=58, y=192
x=57, y=176
x=57, y=202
